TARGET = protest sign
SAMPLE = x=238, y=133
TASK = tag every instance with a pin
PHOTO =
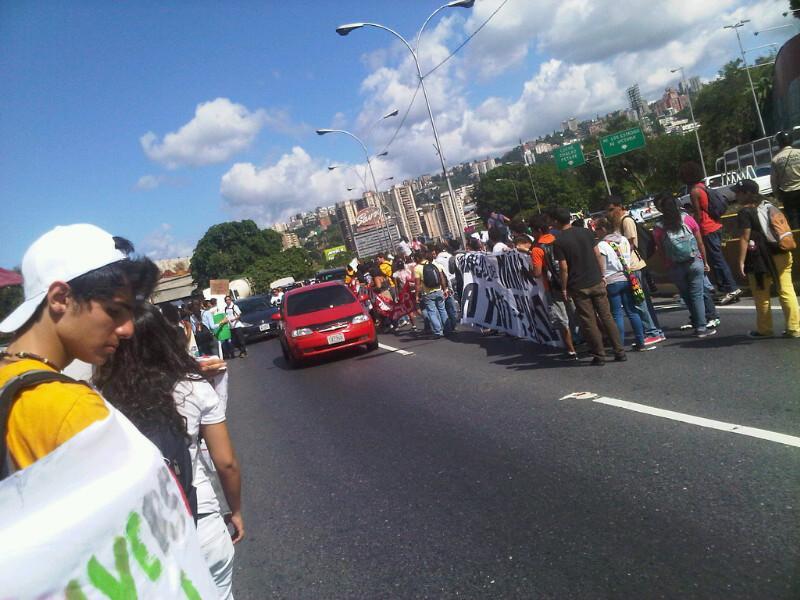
x=500, y=293
x=405, y=304
x=99, y=517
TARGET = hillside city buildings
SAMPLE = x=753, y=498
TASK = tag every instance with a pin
x=421, y=207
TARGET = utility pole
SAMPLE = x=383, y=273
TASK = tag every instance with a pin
x=735, y=28
x=603, y=167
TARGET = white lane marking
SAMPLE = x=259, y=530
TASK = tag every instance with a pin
x=393, y=349
x=772, y=436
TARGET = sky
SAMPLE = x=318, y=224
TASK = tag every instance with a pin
x=156, y=120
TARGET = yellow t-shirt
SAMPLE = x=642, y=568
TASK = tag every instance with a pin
x=47, y=415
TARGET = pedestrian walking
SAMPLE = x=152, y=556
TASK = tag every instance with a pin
x=642, y=248
x=430, y=285
x=154, y=382
x=234, y=316
x=710, y=230
x=616, y=252
x=763, y=262
x=677, y=237
x=785, y=178
x=580, y=267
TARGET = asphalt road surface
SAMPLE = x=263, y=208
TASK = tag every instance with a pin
x=454, y=470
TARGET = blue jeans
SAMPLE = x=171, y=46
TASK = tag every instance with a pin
x=451, y=308
x=621, y=299
x=688, y=277
x=708, y=299
x=432, y=306
x=646, y=310
x=719, y=266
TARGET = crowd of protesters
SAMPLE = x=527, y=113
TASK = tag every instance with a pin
x=86, y=301
x=598, y=273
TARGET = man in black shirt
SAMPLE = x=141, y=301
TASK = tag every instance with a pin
x=764, y=263
x=581, y=269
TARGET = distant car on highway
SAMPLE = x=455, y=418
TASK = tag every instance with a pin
x=257, y=317
x=644, y=210
x=336, y=274
x=323, y=318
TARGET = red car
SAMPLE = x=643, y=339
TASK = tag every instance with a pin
x=322, y=318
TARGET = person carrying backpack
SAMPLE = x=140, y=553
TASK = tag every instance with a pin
x=161, y=389
x=430, y=287
x=762, y=260
x=708, y=209
x=677, y=237
x=643, y=246
x=785, y=178
x=545, y=266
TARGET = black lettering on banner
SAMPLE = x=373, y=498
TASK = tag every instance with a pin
x=469, y=300
x=498, y=310
x=511, y=268
x=525, y=315
x=544, y=329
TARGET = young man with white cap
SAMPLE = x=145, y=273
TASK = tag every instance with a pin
x=80, y=289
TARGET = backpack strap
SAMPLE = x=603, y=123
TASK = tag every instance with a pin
x=9, y=393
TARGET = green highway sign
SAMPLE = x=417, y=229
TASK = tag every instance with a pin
x=569, y=156
x=622, y=142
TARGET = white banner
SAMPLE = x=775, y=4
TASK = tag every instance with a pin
x=500, y=293
x=99, y=517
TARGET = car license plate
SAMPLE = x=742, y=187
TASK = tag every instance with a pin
x=264, y=327
x=336, y=338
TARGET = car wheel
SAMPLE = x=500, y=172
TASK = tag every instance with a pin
x=291, y=361
x=372, y=346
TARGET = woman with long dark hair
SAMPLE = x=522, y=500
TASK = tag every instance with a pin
x=154, y=382
x=677, y=237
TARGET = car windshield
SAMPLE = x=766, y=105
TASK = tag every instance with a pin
x=318, y=299
x=251, y=304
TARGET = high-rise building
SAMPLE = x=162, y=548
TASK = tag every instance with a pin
x=289, y=240
x=280, y=227
x=346, y=217
x=430, y=220
x=404, y=207
x=570, y=124
x=635, y=99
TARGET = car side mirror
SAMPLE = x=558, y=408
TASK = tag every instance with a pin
x=276, y=316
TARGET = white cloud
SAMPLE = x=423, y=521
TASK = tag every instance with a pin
x=219, y=130
x=587, y=52
x=295, y=183
x=161, y=244
x=148, y=182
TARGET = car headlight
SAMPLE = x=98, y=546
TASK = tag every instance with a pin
x=360, y=319
x=301, y=332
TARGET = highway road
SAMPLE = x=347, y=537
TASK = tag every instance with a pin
x=454, y=469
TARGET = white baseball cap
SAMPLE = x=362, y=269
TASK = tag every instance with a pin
x=61, y=254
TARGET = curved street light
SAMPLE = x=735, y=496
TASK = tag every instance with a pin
x=691, y=113
x=347, y=28
x=516, y=193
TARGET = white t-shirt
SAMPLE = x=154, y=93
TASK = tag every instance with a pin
x=443, y=260
x=233, y=312
x=614, y=271
x=275, y=300
x=197, y=401
x=500, y=247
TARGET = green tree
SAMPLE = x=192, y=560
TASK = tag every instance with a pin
x=228, y=249
x=292, y=262
x=11, y=296
x=725, y=110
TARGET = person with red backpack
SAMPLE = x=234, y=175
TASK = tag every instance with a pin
x=708, y=207
x=765, y=257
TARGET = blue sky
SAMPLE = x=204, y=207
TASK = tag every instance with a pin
x=83, y=82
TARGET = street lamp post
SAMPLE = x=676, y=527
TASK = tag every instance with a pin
x=345, y=29
x=735, y=28
x=372, y=175
x=694, y=123
x=516, y=193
